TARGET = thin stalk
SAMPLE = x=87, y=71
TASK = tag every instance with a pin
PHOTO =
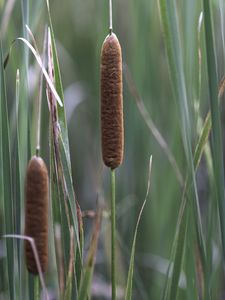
x=110, y=17
x=113, y=234
x=36, y=288
x=38, y=121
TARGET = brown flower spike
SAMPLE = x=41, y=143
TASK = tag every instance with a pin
x=36, y=213
x=112, y=131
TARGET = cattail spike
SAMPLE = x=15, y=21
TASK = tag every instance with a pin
x=36, y=213
x=112, y=129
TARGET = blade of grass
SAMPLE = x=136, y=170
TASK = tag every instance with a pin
x=216, y=126
x=68, y=289
x=79, y=256
x=174, y=54
x=57, y=217
x=19, y=207
x=177, y=250
x=85, y=286
x=152, y=127
x=7, y=191
x=37, y=260
x=38, y=59
x=61, y=163
x=178, y=262
x=3, y=266
x=63, y=128
x=128, y=294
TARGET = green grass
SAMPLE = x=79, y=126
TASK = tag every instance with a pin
x=173, y=110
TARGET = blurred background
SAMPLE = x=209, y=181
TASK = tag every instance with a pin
x=151, y=116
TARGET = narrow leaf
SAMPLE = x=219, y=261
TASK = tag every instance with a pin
x=129, y=285
x=85, y=286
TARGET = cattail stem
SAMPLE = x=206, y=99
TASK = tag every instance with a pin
x=39, y=119
x=39, y=104
x=110, y=17
x=36, y=288
x=113, y=234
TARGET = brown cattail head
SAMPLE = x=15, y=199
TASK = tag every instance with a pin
x=112, y=130
x=36, y=213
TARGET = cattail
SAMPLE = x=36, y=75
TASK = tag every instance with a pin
x=36, y=213
x=112, y=102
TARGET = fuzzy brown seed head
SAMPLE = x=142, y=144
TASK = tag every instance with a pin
x=36, y=213
x=112, y=131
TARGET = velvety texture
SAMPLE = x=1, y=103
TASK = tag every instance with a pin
x=36, y=213
x=112, y=129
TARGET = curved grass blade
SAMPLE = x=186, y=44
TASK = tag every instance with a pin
x=128, y=294
x=37, y=260
x=38, y=59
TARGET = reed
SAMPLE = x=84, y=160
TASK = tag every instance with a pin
x=112, y=128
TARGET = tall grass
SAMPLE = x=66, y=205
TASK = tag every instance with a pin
x=173, y=110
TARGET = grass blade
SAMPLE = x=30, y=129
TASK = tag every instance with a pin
x=128, y=294
x=68, y=289
x=7, y=180
x=152, y=127
x=85, y=286
x=216, y=126
x=63, y=131
x=174, y=53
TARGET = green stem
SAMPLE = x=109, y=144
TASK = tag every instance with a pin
x=36, y=288
x=113, y=234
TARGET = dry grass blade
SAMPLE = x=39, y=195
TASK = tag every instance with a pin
x=38, y=59
x=32, y=38
x=55, y=128
x=222, y=87
x=53, y=109
x=35, y=252
x=146, y=117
